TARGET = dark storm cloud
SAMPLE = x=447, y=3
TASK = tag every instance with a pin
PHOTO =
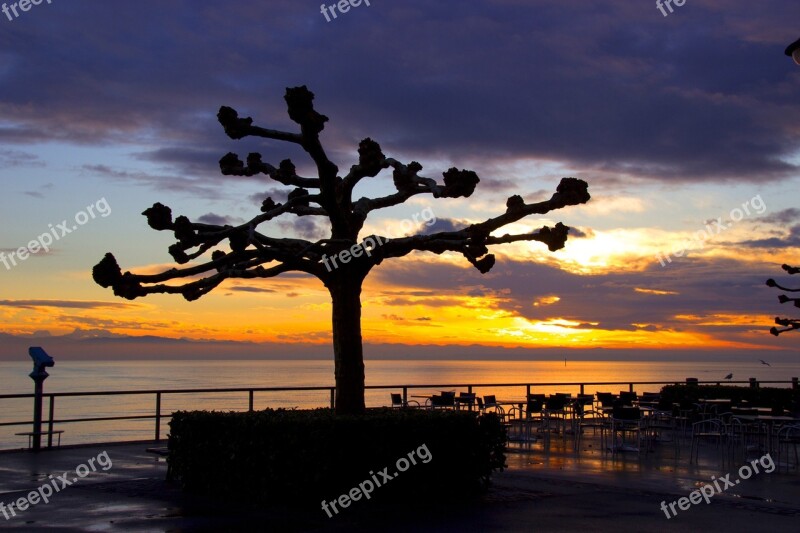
x=612, y=86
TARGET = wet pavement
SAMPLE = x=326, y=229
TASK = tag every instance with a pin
x=547, y=487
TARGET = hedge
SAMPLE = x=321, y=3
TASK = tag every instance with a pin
x=307, y=456
x=686, y=395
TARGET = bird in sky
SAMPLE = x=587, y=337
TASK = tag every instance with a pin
x=764, y=362
x=729, y=376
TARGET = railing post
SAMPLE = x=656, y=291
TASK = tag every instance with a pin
x=630, y=387
x=753, y=383
x=158, y=416
x=405, y=395
x=795, y=384
x=251, y=400
x=527, y=392
x=582, y=389
x=333, y=397
x=50, y=422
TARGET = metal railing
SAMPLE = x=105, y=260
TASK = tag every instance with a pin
x=159, y=394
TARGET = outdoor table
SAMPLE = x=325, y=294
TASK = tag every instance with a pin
x=426, y=397
x=747, y=411
x=517, y=403
x=520, y=404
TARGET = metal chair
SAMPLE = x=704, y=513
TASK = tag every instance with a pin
x=555, y=411
x=627, y=420
x=465, y=399
x=711, y=429
x=489, y=402
x=398, y=403
x=788, y=437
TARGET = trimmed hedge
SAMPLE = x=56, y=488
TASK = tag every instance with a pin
x=686, y=395
x=308, y=456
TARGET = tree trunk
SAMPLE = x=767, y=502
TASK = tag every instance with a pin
x=345, y=290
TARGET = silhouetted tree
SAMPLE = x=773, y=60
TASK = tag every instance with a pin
x=254, y=255
x=788, y=323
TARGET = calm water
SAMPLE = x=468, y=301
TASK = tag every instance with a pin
x=81, y=376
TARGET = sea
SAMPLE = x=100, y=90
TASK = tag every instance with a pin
x=428, y=376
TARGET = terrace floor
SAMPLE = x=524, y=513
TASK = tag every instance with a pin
x=548, y=486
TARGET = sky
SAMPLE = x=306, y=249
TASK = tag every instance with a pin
x=685, y=126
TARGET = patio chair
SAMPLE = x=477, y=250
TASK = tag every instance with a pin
x=594, y=420
x=582, y=402
x=398, y=403
x=650, y=399
x=711, y=429
x=788, y=437
x=489, y=402
x=465, y=399
x=627, y=398
x=627, y=420
x=555, y=411
x=445, y=400
x=605, y=401
x=744, y=436
x=521, y=423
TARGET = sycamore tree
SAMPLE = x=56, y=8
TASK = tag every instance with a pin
x=788, y=324
x=242, y=252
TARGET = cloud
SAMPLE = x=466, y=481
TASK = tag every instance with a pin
x=442, y=224
x=39, y=253
x=72, y=304
x=792, y=239
x=192, y=161
x=578, y=233
x=219, y=220
x=195, y=187
x=306, y=228
x=250, y=289
x=613, y=301
x=783, y=217
x=19, y=158
x=278, y=195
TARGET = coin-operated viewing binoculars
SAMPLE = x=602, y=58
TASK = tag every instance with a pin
x=40, y=361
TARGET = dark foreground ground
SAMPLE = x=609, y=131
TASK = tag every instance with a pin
x=545, y=488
